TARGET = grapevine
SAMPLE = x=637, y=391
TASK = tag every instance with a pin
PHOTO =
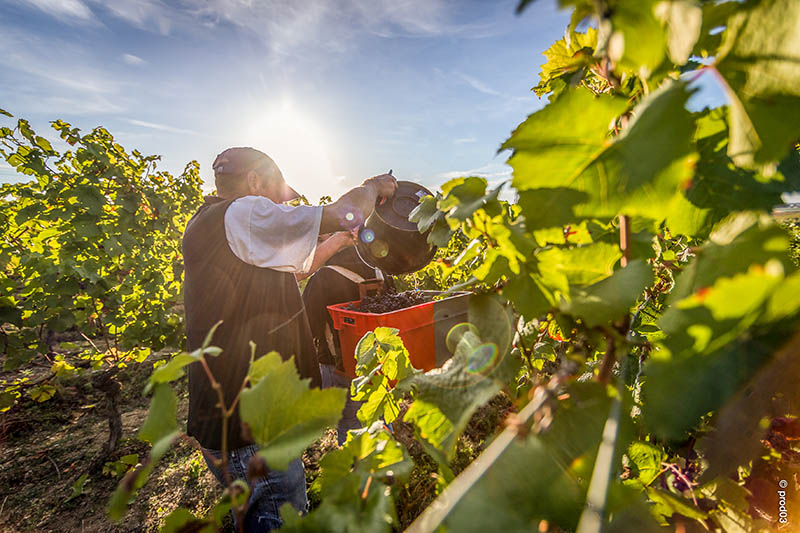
x=90, y=260
x=636, y=304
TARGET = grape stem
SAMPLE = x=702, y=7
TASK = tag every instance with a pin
x=680, y=475
x=227, y=412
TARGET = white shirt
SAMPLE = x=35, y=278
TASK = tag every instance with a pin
x=269, y=235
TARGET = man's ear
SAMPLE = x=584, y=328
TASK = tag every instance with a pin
x=253, y=183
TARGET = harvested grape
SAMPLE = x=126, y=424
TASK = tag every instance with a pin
x=388, y=302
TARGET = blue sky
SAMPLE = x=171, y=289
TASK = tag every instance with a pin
x=334, y=91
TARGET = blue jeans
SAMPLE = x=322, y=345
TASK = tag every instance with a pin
x=349, y=420
x=267, y=494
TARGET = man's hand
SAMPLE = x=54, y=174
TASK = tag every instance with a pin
x=353, y=208
x=384, y=185
x=344, y=239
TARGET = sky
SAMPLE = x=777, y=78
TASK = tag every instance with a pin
x=334, y=91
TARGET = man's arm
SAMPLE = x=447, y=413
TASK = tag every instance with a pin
x=325, y=250
x=353, y=208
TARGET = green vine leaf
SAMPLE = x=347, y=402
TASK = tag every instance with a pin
x=647, y=459
x=444, y=399
x=638, y=39
x=684, y=21
x=565, y=58
x=371, y=466
x=562, y=456
x=610, y=299
x=719, y=187
x=728, y=309
x=547, y=157
x=182, y=519
x=162, y=417
x=759, y=60
x=580, y=265
x=550, y=207
x=285, y=416
x=383, y=368
x=733, y=506
x=42, y=393
x=370, y=452
x=79, y=487
x=464, y=196
x=427, y=216
x=742, y=417
x=740, y=242
x=581, y=156
x=667, y=504
x=135, y=479
x=173, y=369
x=529, y=294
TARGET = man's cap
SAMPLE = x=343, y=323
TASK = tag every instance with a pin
x=235, y=163
x=239, y=161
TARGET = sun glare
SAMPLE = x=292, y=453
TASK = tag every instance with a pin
x=300, y=146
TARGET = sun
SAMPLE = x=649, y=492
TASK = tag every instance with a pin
x=300, y=146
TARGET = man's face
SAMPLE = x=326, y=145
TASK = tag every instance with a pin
x=270, y=184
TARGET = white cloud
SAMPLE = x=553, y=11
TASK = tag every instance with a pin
x=54, y=75
x=163, y=127
x=150, y=15
x=479, y=86
x=412, y=18
x=287, y=26
x=493, y=172
x=75, y=104
x=284, y=25
x=133, y=60
x=64, y=10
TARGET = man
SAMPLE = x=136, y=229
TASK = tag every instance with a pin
x=337, y=282
x=242, y=250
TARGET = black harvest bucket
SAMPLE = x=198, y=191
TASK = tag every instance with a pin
x=389, y=241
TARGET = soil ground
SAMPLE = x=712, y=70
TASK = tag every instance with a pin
x=46, y=447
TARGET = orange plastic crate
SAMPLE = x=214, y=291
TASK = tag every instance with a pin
x=423, y=328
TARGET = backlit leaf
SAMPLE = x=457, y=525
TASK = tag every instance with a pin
x=581, y=265
x=608, y=300
x=760, y=62
x=162, y=416
x=284, y=415
x=581, y=154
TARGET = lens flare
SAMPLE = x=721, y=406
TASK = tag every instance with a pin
x=379, y=248
x=477, y=355
x=457, y=333
x=349, y=217
x=367, y=235
x=482, y=358
x=493, y=320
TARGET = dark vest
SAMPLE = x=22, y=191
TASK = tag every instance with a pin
x=254, y=304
